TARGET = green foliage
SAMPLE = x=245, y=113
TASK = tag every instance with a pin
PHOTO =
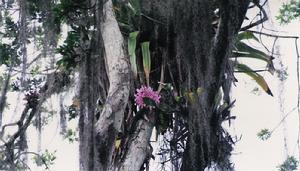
x=289, y=11
x=290, y=164
x=1, y=80
x=131, y=51
x=71, y=136
x=46, y=159
x=246, y=35
x=11, y=28
x=242, y=50
x=149, y=102
x=39, y=36
x=170, y=106
x=245, y=51
x=60, y=11
x=35, y=71
x=67, y=50
x=164, y=118
x=7, y=53
x=128, y=15
x=264, y=134
x=9, y=50
x=257, y=77
x=72, y=110
x=68, y=11
x=282, y=74
x=33, y=8
x=146, y=60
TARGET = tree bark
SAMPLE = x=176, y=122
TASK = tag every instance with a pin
x=202, y=54
x=111, y=118
x=139, y=147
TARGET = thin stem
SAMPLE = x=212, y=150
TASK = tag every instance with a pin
x=298, y=100
x=273, y=35
x=263, y=19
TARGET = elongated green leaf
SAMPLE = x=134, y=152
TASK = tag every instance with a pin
x=146, y=59
x=257, y=77
x=245, y=51
x=134, y=5
x=244, y=48
x=131, y=51
x=246, y=35
x=238, y=54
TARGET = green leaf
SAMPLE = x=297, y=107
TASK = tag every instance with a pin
x=290, y=164
x=257, y=77
x=134, y=5
x=246, y=35
x=71, y=136
x=149, y=102
x=146, y=60
x=267, y=59
x=240, y=54
x=264, y=134
x=131, y=50
x=47, y=158
x=288, y=12
x=244, y=50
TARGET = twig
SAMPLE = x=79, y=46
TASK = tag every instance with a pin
x=54, y=84
x=273, y=35
x=162, y=74
x=298, y=101
x=283, y=119
x=260, y=70
x=39, y=156
x=7, y=125
x=152, y=19
x=265, y=18
x=41, y=72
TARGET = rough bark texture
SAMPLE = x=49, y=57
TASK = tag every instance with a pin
x=111, y=117
x=201, y=54
x=183, y=32
x=92, y=78
x=4, y=90
x=139, y=147
x=205, y=54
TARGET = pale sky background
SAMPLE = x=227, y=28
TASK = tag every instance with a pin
x=254, y=112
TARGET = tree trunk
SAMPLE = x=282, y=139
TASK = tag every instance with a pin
x=186, y=33
x=111, y=118
x=201, y=53
x=139, y=147
x=93, y=87
x=204, y=54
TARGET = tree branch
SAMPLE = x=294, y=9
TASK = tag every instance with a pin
x=111, y=118
x=54, y=84
x=263, y=19
x=3, y=93
x=273, y=35
x=139, y=147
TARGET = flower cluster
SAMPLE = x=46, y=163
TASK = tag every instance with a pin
x=146, y=92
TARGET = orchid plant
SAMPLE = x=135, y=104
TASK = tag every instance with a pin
x=145, y=93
